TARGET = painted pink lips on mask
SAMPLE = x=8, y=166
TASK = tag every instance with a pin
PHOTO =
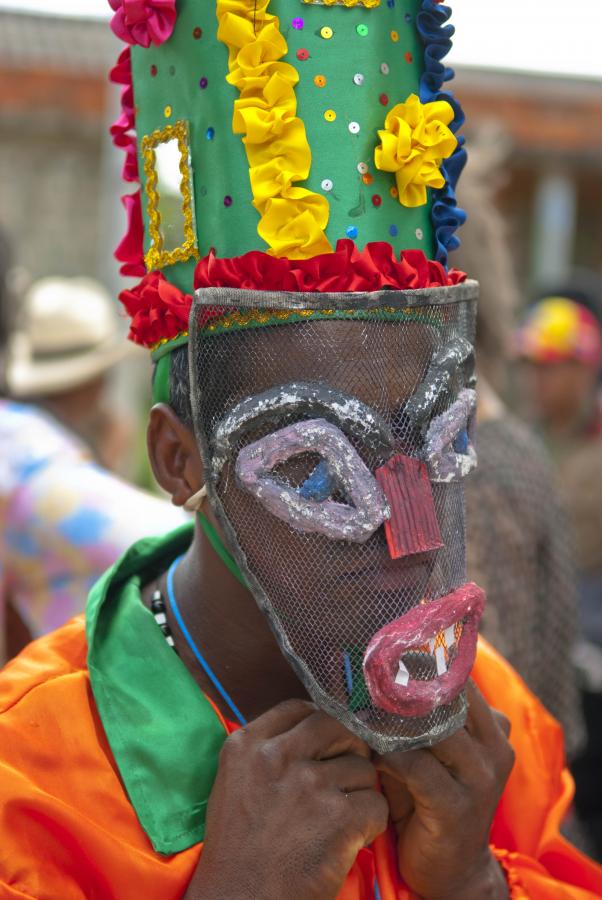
x=416, y=628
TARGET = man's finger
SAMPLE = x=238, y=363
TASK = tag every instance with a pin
x=280, y=719
x=401, y=803
x=502, y=721
x=424, y=776
x=319, y=736
x=458, y=753
x=348, y=773
x=468, y=752
x=482, y=722
x=370, y=812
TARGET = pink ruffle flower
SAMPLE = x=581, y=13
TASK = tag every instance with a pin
x=123, y=129
x=143, y=22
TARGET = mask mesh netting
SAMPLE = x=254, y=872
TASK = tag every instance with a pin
x=324, y=598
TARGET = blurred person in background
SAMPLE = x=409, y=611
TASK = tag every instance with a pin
x=517, y=545
x=71, y=321
x=63, y=518
x=560, y=344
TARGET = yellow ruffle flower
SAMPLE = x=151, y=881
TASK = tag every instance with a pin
x=414, y=143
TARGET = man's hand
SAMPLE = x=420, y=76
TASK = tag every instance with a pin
x=442, y=801
x=293, y=803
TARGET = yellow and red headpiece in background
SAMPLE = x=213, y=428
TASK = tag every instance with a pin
x=558, y=329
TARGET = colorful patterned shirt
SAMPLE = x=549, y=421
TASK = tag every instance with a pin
x=63, y=519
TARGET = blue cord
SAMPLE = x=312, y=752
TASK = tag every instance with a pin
x=376, y=890
x=200, y=659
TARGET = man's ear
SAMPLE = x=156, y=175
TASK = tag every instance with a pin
x=173, y=454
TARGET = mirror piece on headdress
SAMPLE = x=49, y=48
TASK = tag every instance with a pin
x=169, y=178
x=169, y=196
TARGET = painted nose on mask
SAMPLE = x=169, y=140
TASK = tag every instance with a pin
x=413, y=526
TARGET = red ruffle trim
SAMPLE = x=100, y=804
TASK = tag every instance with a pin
x=159, y=310
x=347, y=269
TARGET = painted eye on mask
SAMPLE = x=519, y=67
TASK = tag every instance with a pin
x=449, y=448
x=340, y=472
x=316, y=401
x=452, y=361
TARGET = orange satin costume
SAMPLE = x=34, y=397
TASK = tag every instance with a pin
x=69, y=831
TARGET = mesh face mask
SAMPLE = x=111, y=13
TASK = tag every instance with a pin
x=335, y=431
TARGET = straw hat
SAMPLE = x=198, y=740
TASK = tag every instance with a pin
x=68, y=336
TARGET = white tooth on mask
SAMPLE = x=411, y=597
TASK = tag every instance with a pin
x=441, y=664
x=431, y=643
x=450, y=636
x=403, y=676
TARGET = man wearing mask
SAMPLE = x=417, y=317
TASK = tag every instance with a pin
x=277, y=702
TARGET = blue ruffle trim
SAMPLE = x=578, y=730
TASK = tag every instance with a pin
x=436, y=35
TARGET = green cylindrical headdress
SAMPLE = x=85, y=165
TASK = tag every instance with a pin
x=283, y=145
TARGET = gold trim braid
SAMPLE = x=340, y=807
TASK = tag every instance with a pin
x=368, y=4
x=239, y=320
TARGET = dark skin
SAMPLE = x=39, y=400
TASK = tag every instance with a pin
x=562, y=394
x=302, y=775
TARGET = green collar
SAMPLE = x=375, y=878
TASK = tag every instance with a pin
x=163, y=732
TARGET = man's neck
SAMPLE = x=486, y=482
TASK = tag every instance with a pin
x=230, y=632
